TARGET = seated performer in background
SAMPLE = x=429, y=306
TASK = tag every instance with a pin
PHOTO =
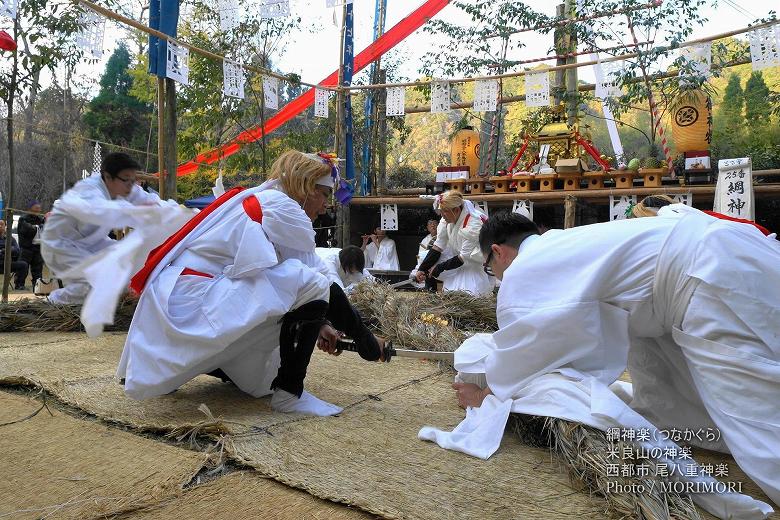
x=346, y=267
x=79, y=223
x=458, y=231
x=425, y=245
x=380, y=252
x=690, y=304
x=239, y=293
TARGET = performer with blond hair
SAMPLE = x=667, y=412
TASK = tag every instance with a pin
x=458, y=231
x=239, y=293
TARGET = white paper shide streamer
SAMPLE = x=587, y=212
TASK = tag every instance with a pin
x=683, y=198
x=524, y=208
x=537, y=89
x=389, y=217
x=229, y=17
x=482, y=206
x=274, y=8
x=8, y=8
x=233, y=79
x=395, y=102
x=90, y=37
x=97, y=158
x=320, y=103
x=271, y=92
x=440, y=97
x=177, y=63
x=765, y=47
x=485, y=95
x=696, y=59
x=619, y=205
x=608, y=78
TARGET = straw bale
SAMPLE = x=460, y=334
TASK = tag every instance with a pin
x=246, y=494
x=370, y=457
x=38, y=315
x=343, y=380
x=61, y=467
x=55, y=356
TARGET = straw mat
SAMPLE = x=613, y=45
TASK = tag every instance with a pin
x=243, y=495
x=61, y=467
x=370, y=457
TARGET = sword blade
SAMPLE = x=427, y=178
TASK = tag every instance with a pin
x=348, y=344
x=400, y=284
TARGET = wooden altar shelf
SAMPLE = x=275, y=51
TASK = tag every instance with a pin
x=558, y=196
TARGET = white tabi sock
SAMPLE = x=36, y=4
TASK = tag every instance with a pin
x=283, y=401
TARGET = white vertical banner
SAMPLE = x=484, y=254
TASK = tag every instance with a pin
x=734, y=191
x=614, y=135
x=97, y=159
x=607, y=77
x=440, y=97
x=177, y=63
x=618, y=207
x=537, y=89
x=485, y=95
x=482, y=206
x=233, y=79
x=271, y=92
x=698, y=59
x=8, y=8
x=765, y=47
x=524, y=208
x=229, y=17
x=90, y=37
x=683, y=198
x=274, y=8
x=388, y=214
x=320, y=103
x=395, y=104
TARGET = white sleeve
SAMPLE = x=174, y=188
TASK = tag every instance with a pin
x=469, y=249
x=442, y=239
x=391, y=256
x=139, y=197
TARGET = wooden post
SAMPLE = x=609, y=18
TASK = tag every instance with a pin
x=341, y=131
x=571, y=74
x=558, y=45
x=161, y=136
x=382, y=130
x=569, y=211
x=171, y=159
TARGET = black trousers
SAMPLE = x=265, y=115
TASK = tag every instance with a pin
x=35, y=261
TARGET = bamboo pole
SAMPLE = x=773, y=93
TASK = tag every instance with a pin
x=569, y=211
x=619, y=57
x=161, y=136
x=171, y=159
x=559, y=196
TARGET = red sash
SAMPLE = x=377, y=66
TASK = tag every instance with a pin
x=138, y=282
x=761, y=228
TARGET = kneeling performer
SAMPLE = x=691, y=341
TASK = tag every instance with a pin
x=239, y=293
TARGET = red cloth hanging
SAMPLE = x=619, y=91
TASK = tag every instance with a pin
x=381, y=45
x=6, y=42
x=138, y=282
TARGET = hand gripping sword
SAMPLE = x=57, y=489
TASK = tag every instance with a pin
x=390, y=351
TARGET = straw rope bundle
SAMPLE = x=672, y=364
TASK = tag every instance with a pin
x=399, y=317
x=585, y=453
x=36, y=315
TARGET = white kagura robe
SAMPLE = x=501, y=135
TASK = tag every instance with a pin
x=186, y=325
x=77, y=231
x=688, y=303
x=462, y=238
x=336, y=274
x=382, y=258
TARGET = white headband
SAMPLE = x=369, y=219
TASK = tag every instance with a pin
x=327, y=180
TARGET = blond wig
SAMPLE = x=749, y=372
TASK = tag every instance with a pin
x=650, y=205
x=298, y=174
x=450, y=200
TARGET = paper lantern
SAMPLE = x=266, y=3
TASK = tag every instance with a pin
x=465, y=150
x=691, y=120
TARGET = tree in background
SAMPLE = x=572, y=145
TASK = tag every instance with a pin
x=115, y=115
x=757, y=109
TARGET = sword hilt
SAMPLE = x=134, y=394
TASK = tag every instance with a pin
x=349, y=345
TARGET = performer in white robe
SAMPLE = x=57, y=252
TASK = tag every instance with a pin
x=380, y=251
x=425, y=245
x=688, y=303
x=458, y=231
x=240, y=293
x=79, y=223
x=346, y=266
